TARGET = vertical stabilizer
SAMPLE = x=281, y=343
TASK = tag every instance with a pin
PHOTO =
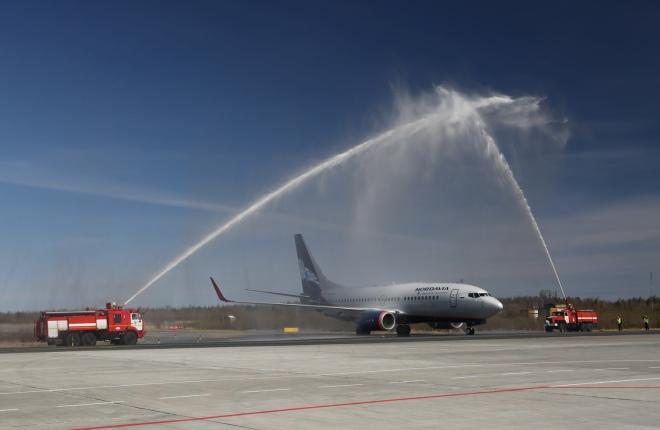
x=313, y=280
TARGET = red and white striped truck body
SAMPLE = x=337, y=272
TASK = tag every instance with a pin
x=569, y=319
x=73, y=328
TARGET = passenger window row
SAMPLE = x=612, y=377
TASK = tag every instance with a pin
x=391, y=299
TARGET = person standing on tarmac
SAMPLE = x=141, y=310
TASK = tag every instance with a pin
x=646, y=322
x=619, y=322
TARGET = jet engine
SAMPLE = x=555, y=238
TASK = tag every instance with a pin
x=446, y=325
x=378, y=320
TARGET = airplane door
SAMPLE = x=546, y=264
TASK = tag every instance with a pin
x=453, y=298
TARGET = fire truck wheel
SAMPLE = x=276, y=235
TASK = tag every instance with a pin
x=130, y=338
x=72, y=339
x=88, y=339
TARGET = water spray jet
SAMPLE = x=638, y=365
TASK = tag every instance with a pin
x=467, y=108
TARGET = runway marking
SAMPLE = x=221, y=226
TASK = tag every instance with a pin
x=406, y=382
x=614, y=368
x=515, y=373
x=603, y=382
x=89, y=404
x=560, y=370
x=469, y=366
x=266, y=391
x=317, y=375
x=309, y=407
x=654, y=367
x=96, y=387
x=367, y=402
x=466, y=377
x=183, y=397
x=9, y=410
x=341, y=386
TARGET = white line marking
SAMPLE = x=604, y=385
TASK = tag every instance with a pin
x=146, y=384
x=466, y=377
x=266, y=391
x=183, y=397
x=317, y=375
x=466, y=366
x=340, y=386
x=605, y=382
x=614, y=368
x=560, y=370
x=654, y=367
x=515, y=373
x=406, y=382
x=8, y=410
x=89, y=404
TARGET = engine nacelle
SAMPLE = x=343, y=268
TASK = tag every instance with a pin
x=446, y=325
x=379, y=320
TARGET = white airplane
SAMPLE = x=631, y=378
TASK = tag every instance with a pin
x=441, y=305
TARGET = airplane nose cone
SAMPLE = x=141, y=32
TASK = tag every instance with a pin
x=494, y=305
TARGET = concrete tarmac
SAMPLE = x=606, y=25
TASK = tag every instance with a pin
x=483, y=382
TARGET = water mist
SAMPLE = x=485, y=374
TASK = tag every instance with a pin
x=447, y=109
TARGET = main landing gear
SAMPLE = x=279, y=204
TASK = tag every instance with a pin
x=469, y=330
x=361, y=331
x=403, y=330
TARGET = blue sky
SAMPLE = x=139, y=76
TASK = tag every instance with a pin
x=128, y=130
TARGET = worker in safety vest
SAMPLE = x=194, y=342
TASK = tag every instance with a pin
x=619, y=322
x=646, y=322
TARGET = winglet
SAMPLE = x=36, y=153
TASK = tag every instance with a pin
x=218, y=292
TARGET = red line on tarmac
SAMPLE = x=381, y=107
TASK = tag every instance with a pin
x=355, y=403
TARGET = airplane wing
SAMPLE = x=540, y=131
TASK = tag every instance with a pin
x=300, y=305
x=297, y=296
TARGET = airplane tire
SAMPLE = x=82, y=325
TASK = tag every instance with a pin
x=403, y=330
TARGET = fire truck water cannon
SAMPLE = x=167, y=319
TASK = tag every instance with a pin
x=113, y=324
x=566, y=318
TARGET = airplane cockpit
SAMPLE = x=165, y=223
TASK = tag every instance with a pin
x=477, y=295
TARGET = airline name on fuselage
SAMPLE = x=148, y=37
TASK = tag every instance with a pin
x=427, y=289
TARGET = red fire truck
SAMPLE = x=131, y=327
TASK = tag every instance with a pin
x=569, y=319
x=73, y=328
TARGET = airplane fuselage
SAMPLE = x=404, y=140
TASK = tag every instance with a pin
x=421, y=301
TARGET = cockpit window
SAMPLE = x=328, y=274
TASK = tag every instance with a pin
x=475, y=295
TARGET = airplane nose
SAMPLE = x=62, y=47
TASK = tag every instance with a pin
x=495, y=305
